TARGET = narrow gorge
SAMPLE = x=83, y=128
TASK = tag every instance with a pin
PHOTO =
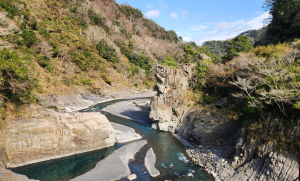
x=219, y=140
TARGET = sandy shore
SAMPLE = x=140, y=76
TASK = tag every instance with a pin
x=124, y=134
x=130, y=110
x=115, y=166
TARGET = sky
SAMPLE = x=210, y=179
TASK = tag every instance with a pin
x=204, y=20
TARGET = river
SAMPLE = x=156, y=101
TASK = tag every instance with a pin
x=172, y=160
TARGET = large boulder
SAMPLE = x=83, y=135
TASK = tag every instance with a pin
x=45, y=134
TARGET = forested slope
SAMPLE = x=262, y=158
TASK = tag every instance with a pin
x=58, y=46
x=218, y=47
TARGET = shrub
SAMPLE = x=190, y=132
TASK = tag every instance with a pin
x=136, y=85
x=106, y=51
x=145, y=82
x=29, y=38
x=201, y=70
x=208, y=99
x=106, y=78
x=74, y=9
x=9, y=8
x=86, y=81
x=169, y=61
x=15, y=82
x=142, y=61
x=270, y=50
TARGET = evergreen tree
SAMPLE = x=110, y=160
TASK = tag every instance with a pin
x=236, y=45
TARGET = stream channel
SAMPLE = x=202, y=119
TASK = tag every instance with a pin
x=171, y=158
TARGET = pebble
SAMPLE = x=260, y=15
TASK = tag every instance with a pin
x=132, y=177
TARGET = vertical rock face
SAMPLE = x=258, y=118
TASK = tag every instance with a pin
x=167, y=107
x=49, y=135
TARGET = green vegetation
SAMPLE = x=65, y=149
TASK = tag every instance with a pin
x=219, y=47
x=192, y=53
x=236, y=45
x=29, y=38
x=106, y=51
x=201, y=70
x=142, y=61
x=8, y=7
x=283, y=26
x=169, y=61
x=208, y=99
x=15, y=82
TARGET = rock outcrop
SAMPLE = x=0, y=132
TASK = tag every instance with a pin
x=226, y=153
x=44, y=134
x=167, y=107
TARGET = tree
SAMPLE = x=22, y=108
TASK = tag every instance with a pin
x=15, y=82
x=236, y=45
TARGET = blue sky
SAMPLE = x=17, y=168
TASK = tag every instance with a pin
x=203, y=20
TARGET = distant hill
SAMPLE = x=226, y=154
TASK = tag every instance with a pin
x=218, y=47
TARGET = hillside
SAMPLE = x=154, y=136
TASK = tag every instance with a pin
x=218, y=47
x=61, y=46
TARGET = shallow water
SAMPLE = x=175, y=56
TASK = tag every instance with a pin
x=172, y=160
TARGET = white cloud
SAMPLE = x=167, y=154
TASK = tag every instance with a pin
x=223, y=25
x=152, y=14
x=225, y=30
x=198, y=27
x=174, y=16
x=187, y=38
x=184, y=13
x=149, y=6
x=258, y=12
x=235, y=23
x=257, y=22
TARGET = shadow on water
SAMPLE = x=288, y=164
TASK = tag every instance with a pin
x=172, y=161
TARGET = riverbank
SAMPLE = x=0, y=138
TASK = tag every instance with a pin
x=136, y=110
x=51, y=127
x=82, y=100
x=115, y=166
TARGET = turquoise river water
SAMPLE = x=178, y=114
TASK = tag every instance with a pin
x=172, y=160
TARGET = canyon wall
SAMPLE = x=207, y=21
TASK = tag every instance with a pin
x=221, y=145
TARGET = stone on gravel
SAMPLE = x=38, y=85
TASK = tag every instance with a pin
x=132, y=177
x=150, y=160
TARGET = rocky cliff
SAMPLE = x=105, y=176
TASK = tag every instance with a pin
x=167, y=107
x=221, y=145
x=44, y=134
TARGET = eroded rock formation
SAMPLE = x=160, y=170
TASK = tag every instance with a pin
x=45, y=134
x=167, y=107
x=224, y=149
